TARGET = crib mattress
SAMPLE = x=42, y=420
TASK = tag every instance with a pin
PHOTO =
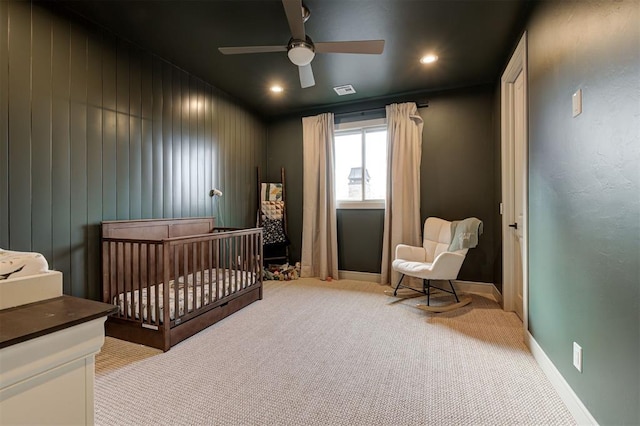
x=193, y=290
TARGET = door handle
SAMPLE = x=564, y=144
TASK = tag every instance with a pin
x=513, y=225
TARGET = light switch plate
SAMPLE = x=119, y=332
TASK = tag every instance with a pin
x=577, y=356
x=577, y=103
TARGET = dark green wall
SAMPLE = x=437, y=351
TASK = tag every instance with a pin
x=584, y=199
x=457, y=176
x=360, y=240
x=497, y=188
x=93, y=128
x=284, y=149
x=457, y=180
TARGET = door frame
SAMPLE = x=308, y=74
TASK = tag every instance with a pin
x=517, y=64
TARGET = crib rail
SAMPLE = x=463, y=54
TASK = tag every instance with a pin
x=232, y=256
x=130, y=266
x=168, y=281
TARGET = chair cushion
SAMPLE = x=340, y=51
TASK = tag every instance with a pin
x=445, y=267
x=413, y=269
x=437, y=237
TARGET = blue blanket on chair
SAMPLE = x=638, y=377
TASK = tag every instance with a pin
x=465, y=233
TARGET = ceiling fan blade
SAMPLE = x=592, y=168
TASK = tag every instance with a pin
x=306, y=76
x=251, y=49
x=373, y=47
x=293, y=10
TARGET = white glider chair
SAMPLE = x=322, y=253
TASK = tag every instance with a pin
x=435, y=260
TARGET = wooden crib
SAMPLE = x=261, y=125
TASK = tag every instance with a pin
x=171, y=278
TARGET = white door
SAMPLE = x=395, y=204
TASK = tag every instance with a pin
x=519, y=138
x=514, y=182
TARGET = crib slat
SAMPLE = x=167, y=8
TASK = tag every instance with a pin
x=236, y=243
x=232, y=255
x=120, y=267
x=128, y=280
x=255, y=259
x=250, y=267
x=134, y=270
x=218, y=251
x=216, y=265
x=185, y=277
x=181, y=266
x=243, y=270
x=185, y=287
x=229, y=267
x=185, y=271
x=160, y=284
x=194, y=278
x=209, y=266
x=140, y=270
x=151, y=278
x=201, y=271
x=176, y=274
x=225, y=286
x=234, y=264
x=247, y=260
x=241, y=261
x=252, y=260
x=113, y=268
x=260, y=251
x=117, y=274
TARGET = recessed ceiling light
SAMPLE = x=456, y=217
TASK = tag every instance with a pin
x=276, y=89
x=428, y=59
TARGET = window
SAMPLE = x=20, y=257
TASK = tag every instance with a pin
x=361, y=164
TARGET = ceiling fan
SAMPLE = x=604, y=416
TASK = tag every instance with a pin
x=301, y=49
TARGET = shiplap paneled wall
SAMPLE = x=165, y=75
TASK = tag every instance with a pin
x=92, y=128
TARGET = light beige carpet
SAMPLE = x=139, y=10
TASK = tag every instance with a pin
x=338, y=353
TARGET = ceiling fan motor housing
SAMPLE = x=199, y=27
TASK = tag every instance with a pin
x=301, y=49
x=301, y=52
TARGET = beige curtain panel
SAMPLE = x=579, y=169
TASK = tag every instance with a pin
x=402, y=208
x=319, y=230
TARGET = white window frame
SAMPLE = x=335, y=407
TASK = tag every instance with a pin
x=377, y=123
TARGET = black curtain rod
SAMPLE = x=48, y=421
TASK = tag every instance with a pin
x=378, y=109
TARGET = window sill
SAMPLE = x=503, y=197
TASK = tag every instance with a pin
x=360, y=205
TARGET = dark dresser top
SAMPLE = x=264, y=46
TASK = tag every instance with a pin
x=32, y=320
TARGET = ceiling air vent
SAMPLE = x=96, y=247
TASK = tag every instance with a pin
x=347, y=89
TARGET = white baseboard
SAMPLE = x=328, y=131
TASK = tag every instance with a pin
x=485, y=289
x=568, y=396
x=359, y=276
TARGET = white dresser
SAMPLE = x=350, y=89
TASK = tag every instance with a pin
x=47, y=360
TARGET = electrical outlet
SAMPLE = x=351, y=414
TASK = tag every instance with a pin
x=577, y=356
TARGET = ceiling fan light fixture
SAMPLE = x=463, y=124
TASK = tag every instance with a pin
x=301, y=53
